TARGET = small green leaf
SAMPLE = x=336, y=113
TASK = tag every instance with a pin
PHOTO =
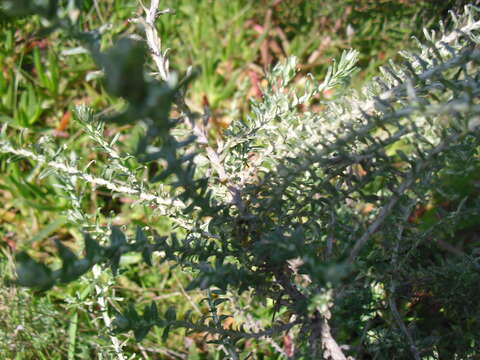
x=171, y=314
x=141, y=332
x=150, y=313
x=166, y=331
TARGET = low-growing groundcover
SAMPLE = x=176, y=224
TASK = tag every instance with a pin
x=348, y=225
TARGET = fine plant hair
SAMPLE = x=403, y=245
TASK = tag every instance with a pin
x=352, y=216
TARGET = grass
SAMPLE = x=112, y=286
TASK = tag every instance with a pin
x=43, y=78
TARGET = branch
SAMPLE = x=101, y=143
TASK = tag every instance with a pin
x=269, y=332
x=114, y=186
x=330, y=346
x=153, y=40
x=391, y=299
x=404, y=186
x=319, y=324
x=162, y=63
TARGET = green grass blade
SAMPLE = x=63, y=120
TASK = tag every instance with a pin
x=72, y=335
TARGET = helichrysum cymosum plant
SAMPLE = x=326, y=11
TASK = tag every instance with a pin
x=355, y=221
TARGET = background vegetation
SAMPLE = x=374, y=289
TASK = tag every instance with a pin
x=233, y=43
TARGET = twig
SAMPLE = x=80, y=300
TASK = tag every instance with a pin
x=319, y=324
x=331, y=349
x=401, y=324
x=404, y=186
x=268, y=332
x=101, y=290
x=114, y=186
x=391, y=298
x=153, y=40
x=381, y=217
x=162, y=63
x=184, y=293
x=164, y=351
x=227, y=344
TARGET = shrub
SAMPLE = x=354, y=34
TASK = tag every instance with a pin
x=353, y=221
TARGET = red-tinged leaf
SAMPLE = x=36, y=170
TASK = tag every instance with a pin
x=288, y=345
x=64, y=121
